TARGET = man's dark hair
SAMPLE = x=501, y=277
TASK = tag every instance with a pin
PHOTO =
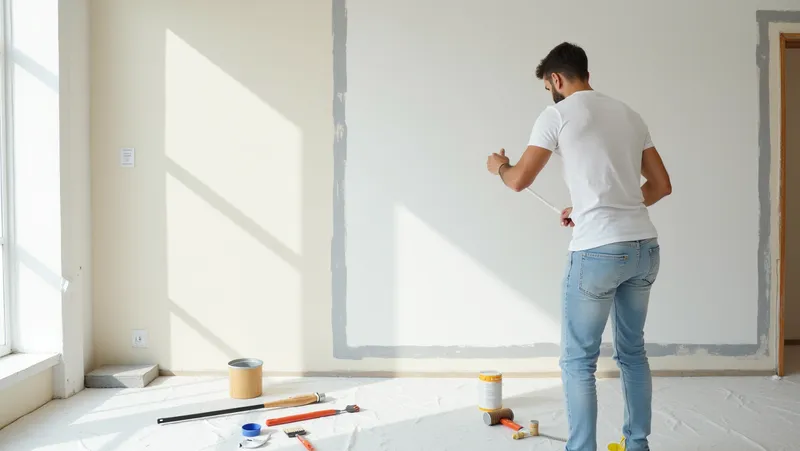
x=567, y=59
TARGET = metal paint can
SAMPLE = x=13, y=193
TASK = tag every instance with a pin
x=490, y=390
x=245, y=378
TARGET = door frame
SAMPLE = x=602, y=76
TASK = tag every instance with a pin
x=787, y=41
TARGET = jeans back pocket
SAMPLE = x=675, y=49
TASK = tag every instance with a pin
x=600, y=273
x=655, y=264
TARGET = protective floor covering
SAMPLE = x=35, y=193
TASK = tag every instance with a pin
x=740, y=413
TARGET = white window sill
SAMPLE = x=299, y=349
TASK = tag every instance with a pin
x=18, y=367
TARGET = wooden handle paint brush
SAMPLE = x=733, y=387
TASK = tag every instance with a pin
x=311, y=415
x=293, y=401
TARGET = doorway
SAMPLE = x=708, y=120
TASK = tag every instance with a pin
x=789, y=338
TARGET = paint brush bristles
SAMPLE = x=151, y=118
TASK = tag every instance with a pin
x=552, y=207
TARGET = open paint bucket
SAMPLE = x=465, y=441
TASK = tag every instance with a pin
x=245, y=378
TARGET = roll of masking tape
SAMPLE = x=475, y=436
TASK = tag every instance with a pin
x=251, y=430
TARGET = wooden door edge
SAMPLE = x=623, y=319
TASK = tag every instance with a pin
x=784, y=38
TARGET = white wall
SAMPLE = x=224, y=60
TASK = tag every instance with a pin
x=218, y=242
x=26, y=396
x=792, y=290
x=424, y=217
x=75, y=167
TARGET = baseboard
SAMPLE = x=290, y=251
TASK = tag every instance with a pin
x=459, y=375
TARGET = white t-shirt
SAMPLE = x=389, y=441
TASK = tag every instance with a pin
x=601, y=141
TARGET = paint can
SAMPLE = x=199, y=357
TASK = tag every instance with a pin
x=490, y=391
x=245, y=378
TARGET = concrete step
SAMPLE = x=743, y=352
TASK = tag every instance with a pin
x=121, y=376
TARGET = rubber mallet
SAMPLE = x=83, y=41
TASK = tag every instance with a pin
x=506, y=418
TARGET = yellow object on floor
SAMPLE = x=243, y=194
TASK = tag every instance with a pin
x=617, y=446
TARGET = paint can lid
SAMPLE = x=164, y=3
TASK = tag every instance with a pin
x=245, y=364
x=251, y=430
x=490, y=376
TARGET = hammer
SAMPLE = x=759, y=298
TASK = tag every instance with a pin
x=506, y=418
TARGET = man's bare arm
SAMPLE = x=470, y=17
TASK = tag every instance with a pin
x=522, y=175
x=658, y=184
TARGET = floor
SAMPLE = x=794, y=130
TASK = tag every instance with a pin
x=734, y=414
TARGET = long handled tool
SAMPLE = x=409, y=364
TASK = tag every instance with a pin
x=311, y=415
x=552, y=207
x=293, y=401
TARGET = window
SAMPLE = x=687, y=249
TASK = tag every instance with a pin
x=5, y=109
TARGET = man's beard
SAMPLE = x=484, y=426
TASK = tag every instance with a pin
x=557, y=97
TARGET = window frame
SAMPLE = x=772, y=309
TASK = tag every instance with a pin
x=6, y=177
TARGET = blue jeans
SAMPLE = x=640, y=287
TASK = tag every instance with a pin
x=614, y=279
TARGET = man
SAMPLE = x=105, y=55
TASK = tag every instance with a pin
x=614, y=253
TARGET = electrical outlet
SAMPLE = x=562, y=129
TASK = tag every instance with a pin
x=139, y=339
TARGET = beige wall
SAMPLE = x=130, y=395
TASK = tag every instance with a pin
x=218, y=241
x=26, y=396
x=792, y=314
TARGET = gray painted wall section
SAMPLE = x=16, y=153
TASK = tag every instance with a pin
x=338, y=244
x=763, y=262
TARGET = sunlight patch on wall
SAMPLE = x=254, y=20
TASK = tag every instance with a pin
x=444, y=297
x=224, y=134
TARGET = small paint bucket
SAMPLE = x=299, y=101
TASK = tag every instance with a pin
x=490, y=391
x=244, y=377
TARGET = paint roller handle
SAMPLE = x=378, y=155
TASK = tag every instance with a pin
x=301, y=417
x=293, y=401
x=545, y=202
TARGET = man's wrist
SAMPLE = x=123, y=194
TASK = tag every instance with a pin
x=500, y=170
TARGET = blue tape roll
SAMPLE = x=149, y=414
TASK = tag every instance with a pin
x=251, y=430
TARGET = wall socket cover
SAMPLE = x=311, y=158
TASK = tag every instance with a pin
x=139, y=338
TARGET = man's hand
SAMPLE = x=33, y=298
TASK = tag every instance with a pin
x=496, y=160
x=566, y=221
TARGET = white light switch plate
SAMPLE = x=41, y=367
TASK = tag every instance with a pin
x=127, y=157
